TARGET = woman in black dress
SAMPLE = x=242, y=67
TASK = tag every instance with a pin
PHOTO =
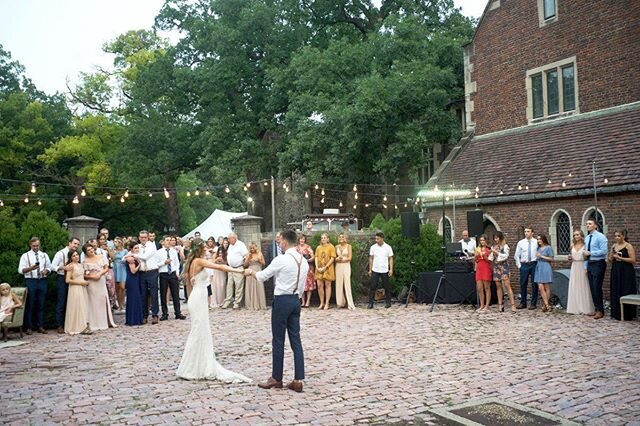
x=623, y=275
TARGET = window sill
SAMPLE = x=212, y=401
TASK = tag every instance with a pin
x=552, y=117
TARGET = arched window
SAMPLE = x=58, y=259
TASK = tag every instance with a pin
x=598, y=218
x=447, y=230
x=563, y=233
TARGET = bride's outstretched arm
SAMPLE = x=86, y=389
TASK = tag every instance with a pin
x=207, y=264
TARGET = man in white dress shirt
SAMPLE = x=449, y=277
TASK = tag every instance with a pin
x=148, y=276
x=526, y=261
x=290, y=272
x=380, y=266
x=35, y=266
x=60, y=267
x=168, y=274
x=235, y=280
x=468, y=245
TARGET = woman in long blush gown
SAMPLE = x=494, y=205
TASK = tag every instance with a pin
x=96, y=268
x=198, y=359
x=579, y=299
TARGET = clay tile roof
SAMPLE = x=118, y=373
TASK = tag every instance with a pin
x=552, y=151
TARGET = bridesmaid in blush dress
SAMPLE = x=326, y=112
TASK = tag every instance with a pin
x=579, y=299
x=135, y=310
x=76, y=320
x=483, y=273
x=95, y=269
x=254, y=297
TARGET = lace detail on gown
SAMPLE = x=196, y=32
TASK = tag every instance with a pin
x=198, y=359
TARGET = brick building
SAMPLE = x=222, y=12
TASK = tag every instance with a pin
x=552, y=100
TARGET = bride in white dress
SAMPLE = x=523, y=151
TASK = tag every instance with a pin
x=199, y=360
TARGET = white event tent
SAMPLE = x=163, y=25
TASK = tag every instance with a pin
x=216, y=225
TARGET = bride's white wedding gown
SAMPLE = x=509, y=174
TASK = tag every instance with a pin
x=199, y=360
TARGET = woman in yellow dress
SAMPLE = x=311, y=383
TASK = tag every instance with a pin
x=325, y=269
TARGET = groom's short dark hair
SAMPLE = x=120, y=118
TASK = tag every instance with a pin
x=290, y=237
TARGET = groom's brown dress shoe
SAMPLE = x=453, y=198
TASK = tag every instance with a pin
x=271, y=383
x=295, y=385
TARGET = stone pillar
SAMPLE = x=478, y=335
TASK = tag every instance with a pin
x=83, y=227
x=247, y=228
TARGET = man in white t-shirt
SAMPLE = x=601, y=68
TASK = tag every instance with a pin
x=380, y=266
x=468, y=245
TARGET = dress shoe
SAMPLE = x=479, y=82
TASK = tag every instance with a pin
x=521, y=306
x=598, y=315
x=60, y=330
x=271, y=383
x=533, y=307
x=180, y=317
x=370, y=306
x=236, y=306
x=164, y=318
x=28, y=331
x=154, y=320
x=295, y=385
x=226, y=306
x=42, y=331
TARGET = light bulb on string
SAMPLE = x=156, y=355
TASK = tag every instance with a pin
x=246, y=188
x=355, y=206
x=355, y=188
x=248, y=185
x=126, y=193
x=75, y=200
x=122, y=199
x=322, y=192
x=476, y=195
x=384, y=198
x=384, y=206
x=317, y=187
x=284, y=185
x=39, y=202
x=445, y=198
x=395, y=206
x=366, y=205
x=286, y=189
x=322, y=200
x=526, y=187
x=519, y=187
x=570, y=175
x=549, y=181
x=26, y=199
x=207, y=192
x=501, y=192
x=188, y=193
x=340, y=203
x=166, y=193
x=149, y=194
x=606, y=180
x=33, y=187
x=197, y=191
x=405, y=205
x=564, y=183
x=108, y=197
x=356, y=196
x=477, y=188
x=306, y=194
x=1, y=203
x=226, y=189
x=83, y=191
x=249, y=199
x=266, y=183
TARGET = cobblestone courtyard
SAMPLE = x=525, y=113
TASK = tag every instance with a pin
x=364, y=366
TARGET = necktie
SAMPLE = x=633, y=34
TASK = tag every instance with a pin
x=37, y=263
x=529, y=252
x=168, y=257
x=589, y=242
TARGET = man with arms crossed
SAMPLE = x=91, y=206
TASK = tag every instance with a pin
x=290, y=272
x=380, y=266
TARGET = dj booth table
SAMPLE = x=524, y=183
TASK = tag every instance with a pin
x=459, y=287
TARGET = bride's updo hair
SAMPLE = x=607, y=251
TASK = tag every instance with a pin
x=197, y=250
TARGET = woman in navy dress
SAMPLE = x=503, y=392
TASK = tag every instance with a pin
x=134, y=315
x=623, y=275
x=544, y=273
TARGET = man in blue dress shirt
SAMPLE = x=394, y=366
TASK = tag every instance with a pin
x=596, y=253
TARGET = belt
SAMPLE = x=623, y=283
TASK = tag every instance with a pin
x=286, y=295
x=595, y=261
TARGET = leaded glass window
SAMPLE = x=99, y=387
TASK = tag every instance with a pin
x=563, y=234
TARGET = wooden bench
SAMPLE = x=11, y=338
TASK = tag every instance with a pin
x=631, y=299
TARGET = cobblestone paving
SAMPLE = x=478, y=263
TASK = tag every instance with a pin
x=363, y=366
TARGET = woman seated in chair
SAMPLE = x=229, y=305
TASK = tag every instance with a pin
x=8, y=301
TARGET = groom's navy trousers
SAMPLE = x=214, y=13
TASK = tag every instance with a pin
x=285, y=317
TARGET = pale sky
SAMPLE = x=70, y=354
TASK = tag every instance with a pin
x=56, y=40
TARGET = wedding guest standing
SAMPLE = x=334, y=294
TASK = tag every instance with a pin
x=307, y=252
x=325, y=269
x=579, y=297
x=77, y=315
x=380, y=267
x=484, y=273
x=60, y=266
x=525, y=257
x=623, y=275
x=254, y=297
x=35, y=266
x=148, y=276
x=169, y=281
x=596, y=252
x=119, y=271
x=500, y=252
x=343, y=273
x=96, y=268
x=209, y=255
x=544, y=273
x=135, y=306
x=235, y=280
x=219, y=277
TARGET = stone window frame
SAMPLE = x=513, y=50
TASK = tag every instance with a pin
x=553, y=236
x=587, y=214
x=541, y=19
x=543, y=71
x=451, y=230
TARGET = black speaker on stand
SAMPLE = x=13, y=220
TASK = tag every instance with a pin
x=410, y=222
x=475, y=223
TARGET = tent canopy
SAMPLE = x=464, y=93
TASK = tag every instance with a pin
x=216, y=225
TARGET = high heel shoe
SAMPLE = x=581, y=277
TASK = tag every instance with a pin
x=513, y=309
x=500, y=308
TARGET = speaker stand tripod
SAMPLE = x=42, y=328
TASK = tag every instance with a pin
x=414, y=284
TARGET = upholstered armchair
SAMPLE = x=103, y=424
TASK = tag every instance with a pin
x=16, y=320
